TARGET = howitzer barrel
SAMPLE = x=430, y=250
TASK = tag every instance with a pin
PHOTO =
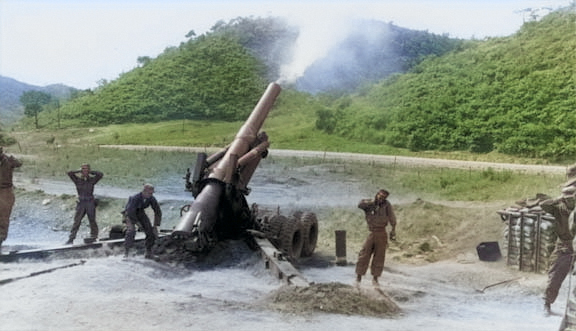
x=246, y=135
x=205, y=207
x=223, y=172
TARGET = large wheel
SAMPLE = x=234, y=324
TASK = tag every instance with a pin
x=291, y=238
x=272, y=228
x=309, y=233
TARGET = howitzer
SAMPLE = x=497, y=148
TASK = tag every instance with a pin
x=219, y=185
x=219, y=211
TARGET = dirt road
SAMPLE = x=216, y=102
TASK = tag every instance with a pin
x=386, y=159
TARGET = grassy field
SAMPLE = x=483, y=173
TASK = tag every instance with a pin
x=288, y=126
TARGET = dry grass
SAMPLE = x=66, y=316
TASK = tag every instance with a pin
x=426, y=231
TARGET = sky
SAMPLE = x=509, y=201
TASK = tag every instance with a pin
x=79, y=43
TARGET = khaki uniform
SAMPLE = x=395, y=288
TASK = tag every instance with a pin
x=562, y=257
x=377, y=218
x=7, y=199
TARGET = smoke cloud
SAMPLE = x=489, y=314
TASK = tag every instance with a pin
x=316, y=37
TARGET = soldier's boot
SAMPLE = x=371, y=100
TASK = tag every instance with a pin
x=375, y=281
x=358, y=280
x=69, y=242
x=126, y=252
x=148, y=254
x=89, y=240
x=547, y=309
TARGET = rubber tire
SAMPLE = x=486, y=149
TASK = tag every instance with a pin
x=309, y=234
x=291, y=242
x=274, y=228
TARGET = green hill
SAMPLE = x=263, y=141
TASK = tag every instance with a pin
x=180, y=83
x=216, y=76
x=514, y=95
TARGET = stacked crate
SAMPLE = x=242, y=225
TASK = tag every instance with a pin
x=529, y=237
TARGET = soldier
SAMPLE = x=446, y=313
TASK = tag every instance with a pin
x=7, y=165
x=562, y=257
x=85, y=179
x=135, y=214
x=379, y=214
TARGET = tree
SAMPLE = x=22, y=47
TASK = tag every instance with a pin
x=34, y=102
x=143, y=60
x=6, y=140
x=191, y=34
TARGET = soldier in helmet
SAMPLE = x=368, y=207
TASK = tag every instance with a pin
x=85, y=179
x=379, y=214
x=7, y=199
x=562, y=258
x=135, y=215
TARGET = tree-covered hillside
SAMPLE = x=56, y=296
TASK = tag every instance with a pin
x=221, y=74
x=514, y=95
x=205, y=78
x=373, y=50
x=369, y=51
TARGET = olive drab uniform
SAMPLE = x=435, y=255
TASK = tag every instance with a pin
x=135, y=215
x=562, y=258
x=379, y=214
x=7, y=199
x=86, y=204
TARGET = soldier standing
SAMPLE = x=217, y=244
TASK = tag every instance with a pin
x=379, y=214
x=85, y=179
x=135, y=214
x=7, y=199
x=562, y=257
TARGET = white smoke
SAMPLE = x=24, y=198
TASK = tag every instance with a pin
x=317, y=36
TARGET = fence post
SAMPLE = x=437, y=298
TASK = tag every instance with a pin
x=340, y=247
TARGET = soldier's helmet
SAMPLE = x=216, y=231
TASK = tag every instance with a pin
x=381, y=195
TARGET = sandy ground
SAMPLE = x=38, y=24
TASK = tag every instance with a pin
x=232, y=290
x=112, y=293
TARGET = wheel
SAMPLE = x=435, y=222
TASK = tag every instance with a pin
x=309, y=233
x=291, y=238
x=271, y=228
